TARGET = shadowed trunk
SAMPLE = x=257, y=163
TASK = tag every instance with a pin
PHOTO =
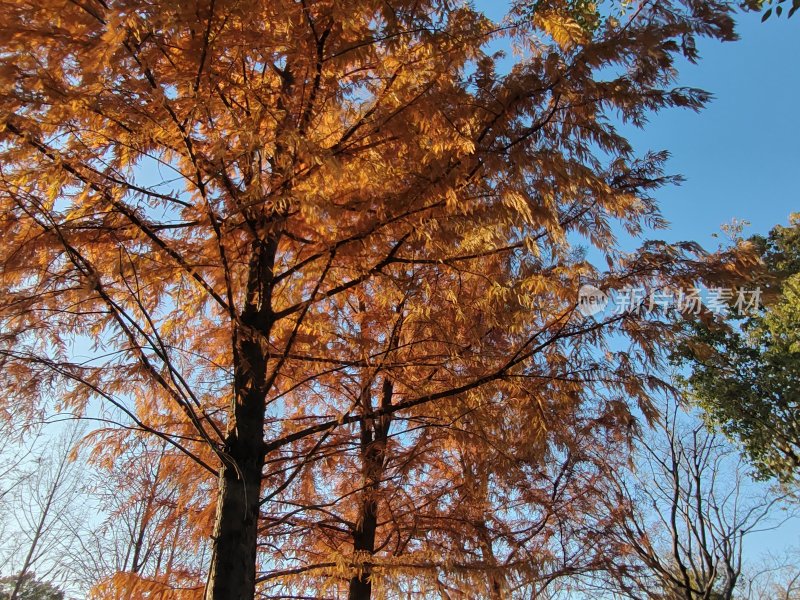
x=373, y=455
x=364, y=542
x=232, y=575
x=233, y=567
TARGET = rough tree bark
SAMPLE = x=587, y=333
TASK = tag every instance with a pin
x=232, y=575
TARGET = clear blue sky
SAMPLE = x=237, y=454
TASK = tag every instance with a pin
x=741, y=155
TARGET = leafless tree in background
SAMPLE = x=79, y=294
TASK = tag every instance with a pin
x=777, y=577
x=42, y=511
x=689, y=507
x=14, y=450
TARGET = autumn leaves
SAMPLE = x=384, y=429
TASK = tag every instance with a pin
x=326, y=253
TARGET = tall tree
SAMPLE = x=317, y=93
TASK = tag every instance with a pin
x=324, y=250
x=744, y=366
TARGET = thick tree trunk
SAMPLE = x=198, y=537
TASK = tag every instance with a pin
x=373, y=456
x=233, y=567
x=232, y=575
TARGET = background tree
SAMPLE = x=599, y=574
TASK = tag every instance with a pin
x=745, y=366
x=296, y=240
x=12, y=454
x=27, y=587
x=139, y=541
x=775, y=577
x=688, y=507
x=43, y=510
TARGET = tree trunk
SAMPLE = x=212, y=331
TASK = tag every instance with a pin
x=232, y=575
x=233, y=564
x=364, y=542
x=373, y=455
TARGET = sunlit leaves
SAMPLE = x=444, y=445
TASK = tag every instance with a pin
x=350, y=236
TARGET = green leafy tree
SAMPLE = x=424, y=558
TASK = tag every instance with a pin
x=745, y=368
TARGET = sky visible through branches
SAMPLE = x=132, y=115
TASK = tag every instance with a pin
x=739, y=156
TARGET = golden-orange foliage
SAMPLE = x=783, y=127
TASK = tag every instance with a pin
x=329, y=254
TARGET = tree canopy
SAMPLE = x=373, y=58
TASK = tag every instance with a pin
x=744, y=368
x=329, y=253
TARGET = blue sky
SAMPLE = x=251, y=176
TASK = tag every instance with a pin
x=740, y=156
